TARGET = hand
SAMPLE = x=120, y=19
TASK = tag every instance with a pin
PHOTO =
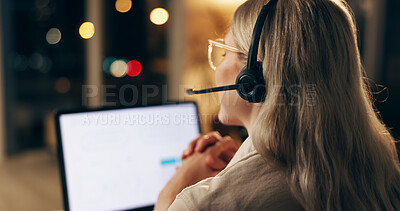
x=194, y=169
x=203, y=142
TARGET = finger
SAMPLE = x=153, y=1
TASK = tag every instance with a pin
x=208, y=137
x=206, y=140
x=230, y=149
x=192, y=144
x=190, y=148
x=215, y=150
x=223, y=150
x=229, y=144
x=186, y=154
x=227, y=155
x=215, y=172
x=215, y=163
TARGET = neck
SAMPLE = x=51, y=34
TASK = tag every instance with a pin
x=253, y=113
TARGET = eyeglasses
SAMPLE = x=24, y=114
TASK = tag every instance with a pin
x=217, y=50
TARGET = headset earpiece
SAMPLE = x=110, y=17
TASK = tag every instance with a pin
x=251, y=84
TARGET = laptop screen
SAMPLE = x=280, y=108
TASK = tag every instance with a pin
x=120, y=159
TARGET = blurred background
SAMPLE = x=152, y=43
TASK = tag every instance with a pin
x=64, y=54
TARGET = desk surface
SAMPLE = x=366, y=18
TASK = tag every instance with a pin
x=30, y=181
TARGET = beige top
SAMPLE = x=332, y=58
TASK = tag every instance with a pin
x=247, y=183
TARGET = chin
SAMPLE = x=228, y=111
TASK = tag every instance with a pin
x=223, y=119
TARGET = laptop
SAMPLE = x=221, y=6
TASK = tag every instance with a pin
x=121, y=158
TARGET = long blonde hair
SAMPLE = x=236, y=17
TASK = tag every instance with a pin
x=318, y=123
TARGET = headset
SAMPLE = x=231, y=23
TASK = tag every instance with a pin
x=250, y=83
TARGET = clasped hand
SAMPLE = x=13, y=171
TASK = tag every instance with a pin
x=205, y=157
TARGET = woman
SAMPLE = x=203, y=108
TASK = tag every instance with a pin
x=315, y=143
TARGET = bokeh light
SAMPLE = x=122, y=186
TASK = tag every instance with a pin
x=36, y=61
x=20, y=62
x=159, y=16
x=118, y=68
x=134, y=68
x=47, y=65
x=62, y=85
x=53, y=36
x=86, y=30
x=123, y=6
x=107, y=64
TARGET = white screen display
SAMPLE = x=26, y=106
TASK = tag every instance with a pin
x=121, y=159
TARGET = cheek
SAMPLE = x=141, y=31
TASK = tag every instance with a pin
x=230, y=107
x=231, y=110
x=220, y=76
x=230, y=102
x=225, y=74
x=225, y=110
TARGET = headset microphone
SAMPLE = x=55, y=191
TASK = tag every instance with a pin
x=219, y=89
x=214, y=89
x=250, y=83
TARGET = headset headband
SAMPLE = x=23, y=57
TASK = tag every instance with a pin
x=255, y=39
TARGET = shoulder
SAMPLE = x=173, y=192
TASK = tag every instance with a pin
x=247, y=183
